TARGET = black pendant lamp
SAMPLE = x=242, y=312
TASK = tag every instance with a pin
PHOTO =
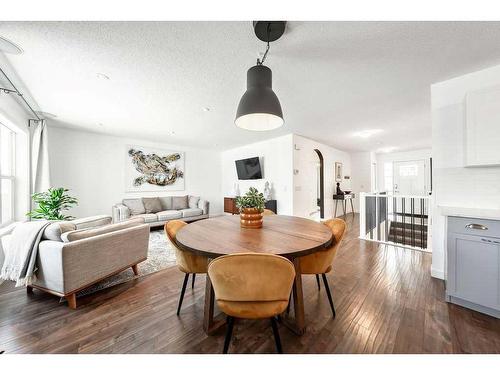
x=259, y=107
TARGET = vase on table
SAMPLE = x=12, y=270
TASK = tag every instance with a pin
x=251, y=218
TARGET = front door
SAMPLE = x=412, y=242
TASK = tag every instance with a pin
x=410, y=177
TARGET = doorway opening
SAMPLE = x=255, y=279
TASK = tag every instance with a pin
x=320, y=185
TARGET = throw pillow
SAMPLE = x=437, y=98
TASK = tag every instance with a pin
x=55, y=230
x=92, y=221
x=135, y=206
x=76, y=235
x=180, y=203
x=193, y=201
x=152, y=205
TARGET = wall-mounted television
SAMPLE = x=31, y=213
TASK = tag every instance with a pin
x=248, y=169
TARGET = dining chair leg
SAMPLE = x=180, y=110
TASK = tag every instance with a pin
x=229, y=333
x=330, y=299
x=276, y=334
x=192, y=282
x=317, y=282
x=183, y=290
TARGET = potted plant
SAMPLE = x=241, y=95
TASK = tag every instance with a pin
x=51, y=203
x=251, y=206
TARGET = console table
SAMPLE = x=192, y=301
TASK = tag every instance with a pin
x=343, y=198
x=230, y=205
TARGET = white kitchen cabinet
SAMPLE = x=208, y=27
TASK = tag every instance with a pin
x=482, y=127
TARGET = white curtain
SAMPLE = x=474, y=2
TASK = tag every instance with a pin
x=40, y=170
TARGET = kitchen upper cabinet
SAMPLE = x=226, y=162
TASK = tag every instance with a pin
x=482, y=127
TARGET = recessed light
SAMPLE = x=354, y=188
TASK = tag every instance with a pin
x=100, y=124
x=206, y=109
x=366, y=133
x=386, y=150
x=8, y=46
x=102, y=76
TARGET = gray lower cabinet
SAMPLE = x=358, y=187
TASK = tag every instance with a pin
x=473, y=264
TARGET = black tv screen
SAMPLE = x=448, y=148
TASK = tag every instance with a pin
x=248, y=169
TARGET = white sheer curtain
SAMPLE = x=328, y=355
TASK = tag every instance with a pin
x=40, y=170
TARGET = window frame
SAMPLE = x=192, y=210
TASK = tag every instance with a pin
x=11, y=177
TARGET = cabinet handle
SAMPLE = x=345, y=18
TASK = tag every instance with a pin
x=476, y=226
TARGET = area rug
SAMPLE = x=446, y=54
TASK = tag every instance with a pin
x=161, y=255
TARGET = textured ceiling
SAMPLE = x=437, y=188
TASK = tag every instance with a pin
x=333, y=78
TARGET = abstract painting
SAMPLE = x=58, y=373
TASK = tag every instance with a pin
x=151, y=169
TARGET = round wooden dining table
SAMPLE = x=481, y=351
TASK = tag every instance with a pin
x=288, y=236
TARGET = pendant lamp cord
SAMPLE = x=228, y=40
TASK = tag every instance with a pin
x=261, y=62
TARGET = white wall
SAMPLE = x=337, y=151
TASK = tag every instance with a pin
x=361, y=180
x=391, y=157
x=455, y=185
x=304, y=182
x=276, y=161
x=92, y=166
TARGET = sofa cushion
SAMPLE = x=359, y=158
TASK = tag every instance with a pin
x=169, y=215
x=180, y=203
x=76, y=235
x=92, y=221
x=55, y=230
x=152, y=205
x=193, y=201
x=135, y=206
x=190, y=212
x=166, y=203
x=148, y=218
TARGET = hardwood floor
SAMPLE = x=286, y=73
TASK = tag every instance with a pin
x=385, y=299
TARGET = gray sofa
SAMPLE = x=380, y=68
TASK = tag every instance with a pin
x=156, y=211
x=73, y=255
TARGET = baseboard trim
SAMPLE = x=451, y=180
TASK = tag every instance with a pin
x=438, y=274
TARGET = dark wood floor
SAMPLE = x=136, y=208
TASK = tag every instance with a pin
x=386, y=303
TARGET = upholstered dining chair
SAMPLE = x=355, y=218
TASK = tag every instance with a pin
x=267, y=212
x=252, y=286
x=187, y=262
x=320, y=262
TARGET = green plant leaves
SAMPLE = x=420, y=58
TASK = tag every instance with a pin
x=50, y=204
x=252, y=199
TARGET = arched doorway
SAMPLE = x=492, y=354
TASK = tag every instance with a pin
x=321, y=185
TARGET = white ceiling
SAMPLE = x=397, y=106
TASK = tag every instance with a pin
x=333, y=78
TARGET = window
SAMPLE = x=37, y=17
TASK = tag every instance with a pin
x=7, y=180
x=408, y=170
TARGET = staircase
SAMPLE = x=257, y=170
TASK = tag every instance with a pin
x=409, y=230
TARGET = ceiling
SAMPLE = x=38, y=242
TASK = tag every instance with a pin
x=333, y=78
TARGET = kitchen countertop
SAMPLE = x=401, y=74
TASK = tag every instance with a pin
x=472, y=212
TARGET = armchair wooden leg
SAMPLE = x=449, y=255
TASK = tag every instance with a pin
x=229, y=333
x=183, y=290
x=71, y=301
x=276, y=334
x=192, y=283
x=330, y=299
x=29, y=289
x=317, y=282
x=135, y=269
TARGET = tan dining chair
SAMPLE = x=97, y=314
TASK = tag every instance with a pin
x=252, y=286
x=267, y=212
x=187, y=262
x=320, y=262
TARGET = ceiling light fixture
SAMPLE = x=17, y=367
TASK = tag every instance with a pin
x=367, y=133
x=259, y=107
x=7, y=46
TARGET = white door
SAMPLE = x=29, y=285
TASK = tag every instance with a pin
x=410, y=177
